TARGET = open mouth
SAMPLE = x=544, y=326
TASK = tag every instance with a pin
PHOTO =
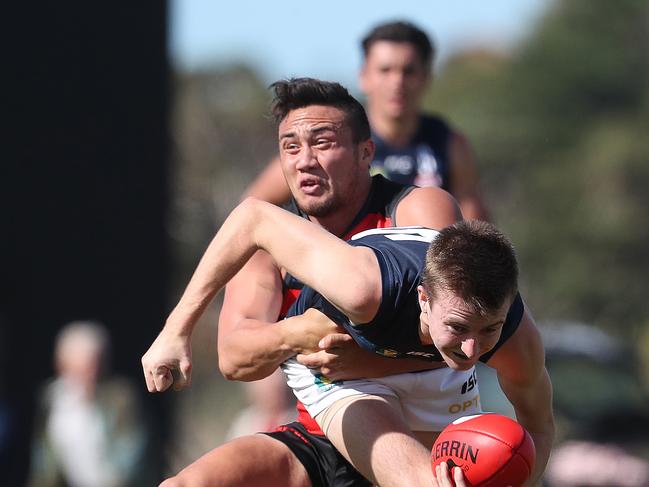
x=460, y=356
x=310, y=186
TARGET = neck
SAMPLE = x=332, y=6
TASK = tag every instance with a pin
x=395, y=131
x=339, y=220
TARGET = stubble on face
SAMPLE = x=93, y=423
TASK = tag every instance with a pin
x=333, y=171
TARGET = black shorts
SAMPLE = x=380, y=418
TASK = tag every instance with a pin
x=324, y=464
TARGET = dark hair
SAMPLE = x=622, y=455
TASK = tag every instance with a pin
x=475, y=262
x=401, y=32
x=302, y=92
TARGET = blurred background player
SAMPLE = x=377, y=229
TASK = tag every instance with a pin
x=91, y=432
x=411, y=147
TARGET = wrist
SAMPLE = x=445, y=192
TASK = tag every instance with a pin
x=179, y=325
x=290, y=332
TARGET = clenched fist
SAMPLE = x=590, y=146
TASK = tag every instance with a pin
x=170, y=354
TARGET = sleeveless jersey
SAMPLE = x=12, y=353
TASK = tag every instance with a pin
x=422, y=162
x=378, y=212
x=394, y=331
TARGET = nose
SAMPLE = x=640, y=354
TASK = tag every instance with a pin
x=306, y=159
x=470, y=347
x=398, y=79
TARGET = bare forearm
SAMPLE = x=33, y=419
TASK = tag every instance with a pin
x=543, y=444
x=535, y=414
x=253, y=350
x=226, y=254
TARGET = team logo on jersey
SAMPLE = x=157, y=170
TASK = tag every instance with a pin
x=323, y=382
x=471, y=383
x=387, y=352
x=427, y=355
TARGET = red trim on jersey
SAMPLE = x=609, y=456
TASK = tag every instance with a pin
x=373, y=220
x=286, y=427
x=307, y=421
x=290, y=296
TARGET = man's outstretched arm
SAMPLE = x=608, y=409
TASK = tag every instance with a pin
x=306, y=250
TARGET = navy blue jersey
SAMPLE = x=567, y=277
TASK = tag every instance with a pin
x=394, y=331
x=423, y=161
x=378, y=211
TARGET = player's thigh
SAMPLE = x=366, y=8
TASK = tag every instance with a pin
x=372, y=434
x=249, y=460
x=426, y=438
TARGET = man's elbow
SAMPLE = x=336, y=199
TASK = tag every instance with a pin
x=242, y=372
x=228, y=369
x=362, y=305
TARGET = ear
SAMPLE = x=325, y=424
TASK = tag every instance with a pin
x=367, y=152
x=422, y=297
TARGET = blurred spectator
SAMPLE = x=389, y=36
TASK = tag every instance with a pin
x=90, y=432
x=588, y=464
x=271, y=404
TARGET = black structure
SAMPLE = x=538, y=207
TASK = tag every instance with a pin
x=83, y=185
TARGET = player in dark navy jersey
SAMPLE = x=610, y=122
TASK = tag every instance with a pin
x=401, y=272
x=422, y=161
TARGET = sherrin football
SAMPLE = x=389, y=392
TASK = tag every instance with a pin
x=491, y=449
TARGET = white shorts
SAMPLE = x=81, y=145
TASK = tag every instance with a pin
x=429, y=400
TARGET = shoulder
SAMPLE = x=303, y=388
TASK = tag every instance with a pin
x=399, y=250
x=429, y=207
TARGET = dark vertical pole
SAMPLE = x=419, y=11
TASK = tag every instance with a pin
x=84, y=193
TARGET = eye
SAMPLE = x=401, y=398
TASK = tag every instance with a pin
x=291, y=147
x=457, y=329
x=323, y=143
x=491, y=330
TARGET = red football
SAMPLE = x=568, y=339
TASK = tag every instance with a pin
x=492, y=450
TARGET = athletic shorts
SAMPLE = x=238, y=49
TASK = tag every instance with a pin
x=429, y=399
x=324, y=464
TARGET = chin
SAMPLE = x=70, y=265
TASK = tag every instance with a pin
x=318, y=207
x=453, y=364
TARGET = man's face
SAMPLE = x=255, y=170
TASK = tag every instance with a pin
x=322, y=165
x=394, y=79
x=459, y=333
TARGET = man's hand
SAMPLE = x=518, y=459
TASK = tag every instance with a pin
x=169, y=353
x=442, y=476
x=305, y=332
x=341, y=358
x=338, y=358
